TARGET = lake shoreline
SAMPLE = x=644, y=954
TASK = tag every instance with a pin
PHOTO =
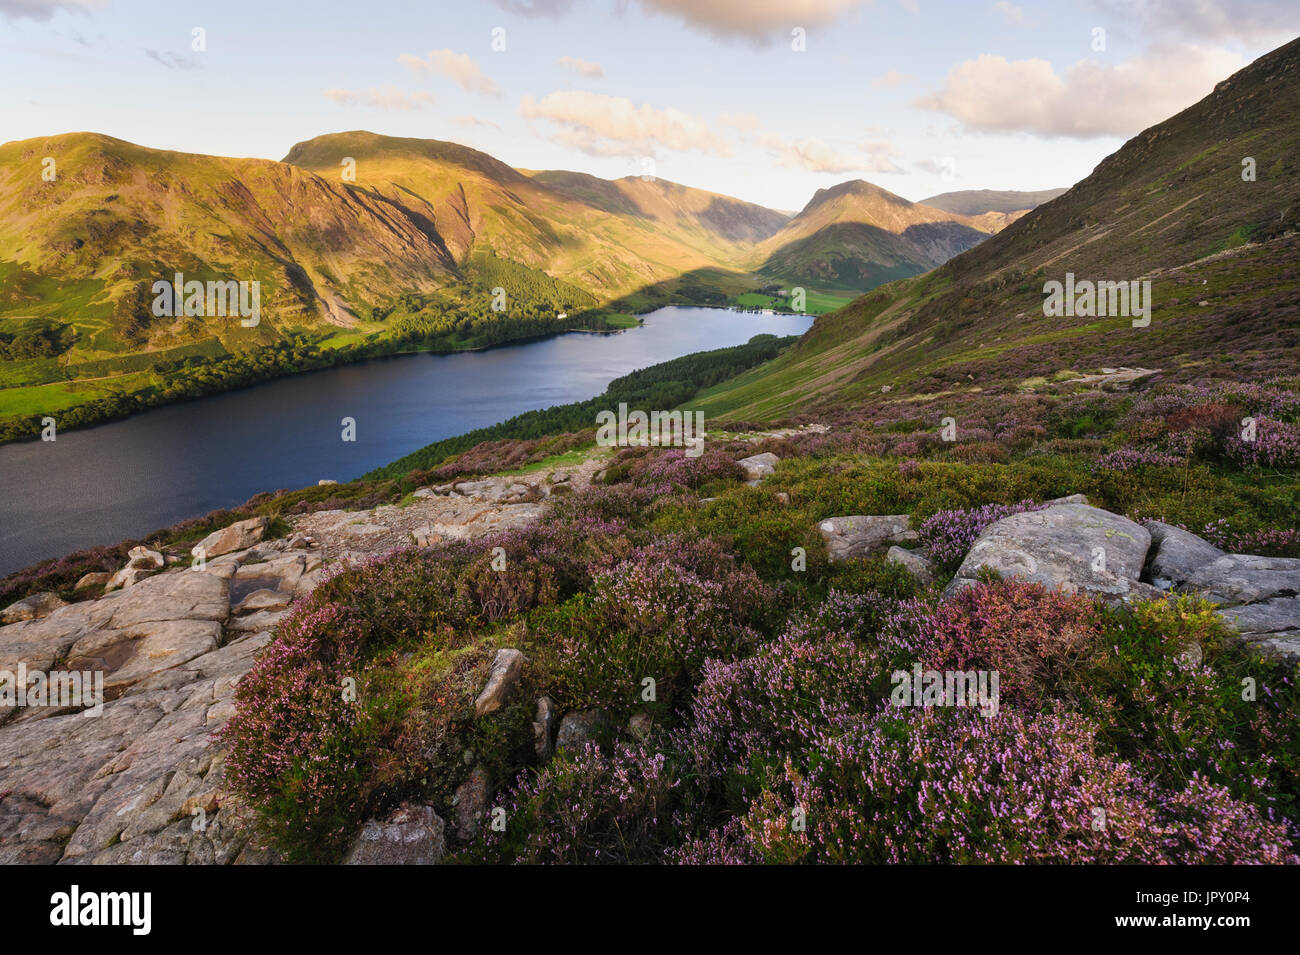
x=120, y=479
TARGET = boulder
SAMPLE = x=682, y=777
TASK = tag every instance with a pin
x=507, y=668
x=915, y=564
x=1177, y=554
x=93, y=579
x=1070, y=547
x=413, y=835
x=128, y=576
x=1069, y=499
x=143, y=557
x=32, y=607
x=863, y=536
x=470, y=805
x=238, y=536
x=640, y=724
x=758, y=466
x=577, y=728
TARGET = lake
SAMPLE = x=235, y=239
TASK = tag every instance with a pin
x=131, y=477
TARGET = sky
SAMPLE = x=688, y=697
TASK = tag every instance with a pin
x=767, y=100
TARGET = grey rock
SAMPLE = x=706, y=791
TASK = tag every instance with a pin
x=1069, y=499
x=263, y=600
x=1177, y=554
x=916, y=564
x=238, y=536
x=507, y=667
x=577, y=728
x=32, y=607
x=93, y=579
x=143, y=557
x=1267, y=617
x=1244, y=578
x=862, y=536
x=128, y=576
x=759, y=466
x=413, y=835
x=544, y=729
x=470, y=804
x=1070, y=547
x=640, y=724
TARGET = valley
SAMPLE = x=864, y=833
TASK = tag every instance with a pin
x=408, y=245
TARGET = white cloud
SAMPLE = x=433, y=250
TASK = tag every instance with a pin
x=753, y=18
x=456, y=66
x=1010, y=12
x=386, y=98
x=614, y=126
x=891, y=79
x=582, y=67
x=882, y=155
x=746, y=122
x=811, y=154
x=44, y=9
x=1093, y=98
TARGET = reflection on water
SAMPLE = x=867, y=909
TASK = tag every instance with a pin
x=132, y=477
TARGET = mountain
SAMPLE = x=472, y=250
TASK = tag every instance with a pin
x=857, y=236
x=85, y=246
x=609, y=238
x=1171, y=207
x=670, y=205
x=974, y=202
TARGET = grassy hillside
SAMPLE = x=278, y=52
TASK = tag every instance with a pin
x=1171, y=207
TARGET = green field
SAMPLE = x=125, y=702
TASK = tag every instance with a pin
x=818, y=303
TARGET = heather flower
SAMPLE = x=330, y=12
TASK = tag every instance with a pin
x=1132, y=459
x=949, y=786
x=948, y=535
x=1276, y=444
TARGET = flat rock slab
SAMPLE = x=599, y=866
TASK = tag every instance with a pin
x=128, y=656
x=1070, y=547
x=1244, y=578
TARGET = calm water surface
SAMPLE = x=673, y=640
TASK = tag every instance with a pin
x=135, y=476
